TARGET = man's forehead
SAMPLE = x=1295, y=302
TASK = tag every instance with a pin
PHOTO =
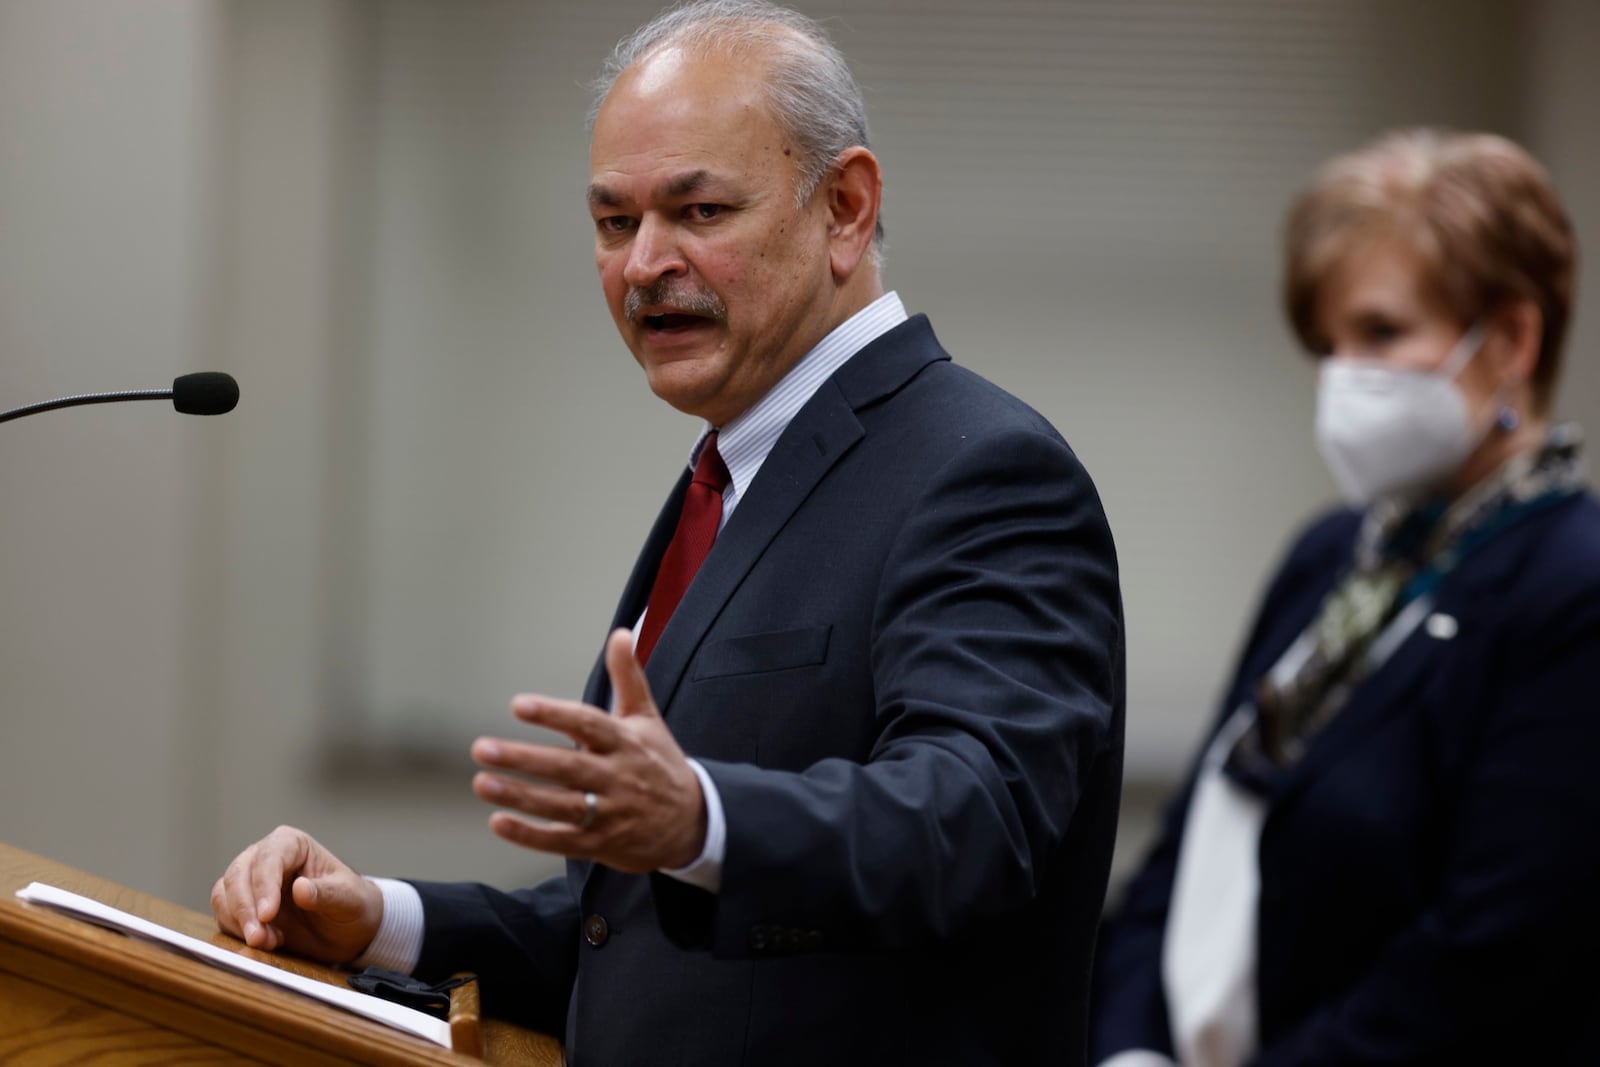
x=672, y=101
x=679, y=124
x=617, y=190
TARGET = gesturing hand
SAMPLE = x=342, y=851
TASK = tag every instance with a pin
x=646, y=813
x=287, y=891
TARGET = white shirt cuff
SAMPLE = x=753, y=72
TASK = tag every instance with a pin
x=1138, y=1058
x=398, y=945
x=705, y=872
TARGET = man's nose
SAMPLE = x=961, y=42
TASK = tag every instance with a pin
x=653, y=254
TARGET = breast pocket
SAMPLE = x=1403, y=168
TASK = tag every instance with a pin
x=778, y=650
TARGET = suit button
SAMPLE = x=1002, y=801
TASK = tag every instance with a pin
x=595, y=930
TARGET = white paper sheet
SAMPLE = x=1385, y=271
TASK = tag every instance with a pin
x=383, y=1011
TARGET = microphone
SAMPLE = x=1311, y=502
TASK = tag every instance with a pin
x=205, y=393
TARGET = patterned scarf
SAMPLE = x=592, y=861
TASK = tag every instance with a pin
x=1401, y=554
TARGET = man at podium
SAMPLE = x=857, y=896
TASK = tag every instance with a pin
x=845, y=779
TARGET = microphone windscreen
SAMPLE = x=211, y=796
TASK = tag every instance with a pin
x=206, y=393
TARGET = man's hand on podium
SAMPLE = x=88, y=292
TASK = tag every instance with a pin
x=288, y=892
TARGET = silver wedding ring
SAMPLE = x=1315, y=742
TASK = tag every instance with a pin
x=591, y=808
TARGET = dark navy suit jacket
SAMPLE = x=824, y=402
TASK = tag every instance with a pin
x=902, y=666
x=1430, y=871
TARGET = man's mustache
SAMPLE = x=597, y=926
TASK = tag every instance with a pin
x=677, y=294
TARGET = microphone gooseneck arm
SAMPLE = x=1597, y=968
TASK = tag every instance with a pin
x=202, y=393
x=86, y=398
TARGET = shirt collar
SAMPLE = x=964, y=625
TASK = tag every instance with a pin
x=746, y=440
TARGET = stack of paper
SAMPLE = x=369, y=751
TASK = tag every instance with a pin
x=401, y=1018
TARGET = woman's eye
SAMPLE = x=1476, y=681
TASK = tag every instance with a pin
x=1379, y=331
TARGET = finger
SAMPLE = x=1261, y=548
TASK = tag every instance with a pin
x=238, y=913
x=235, y=914
x=558, y=838
x=222, y=906
x=588, y=726
x=544, y=802
x=628, y=683
x=278, y=857
x=337, y=898
x=563, y=766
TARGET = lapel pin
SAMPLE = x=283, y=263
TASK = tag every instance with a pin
x=1442, y=626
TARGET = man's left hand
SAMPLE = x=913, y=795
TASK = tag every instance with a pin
x=626, y=797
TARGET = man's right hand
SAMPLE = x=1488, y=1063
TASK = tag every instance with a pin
x=288, y=892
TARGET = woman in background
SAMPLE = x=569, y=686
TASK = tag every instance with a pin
x=1388, y=851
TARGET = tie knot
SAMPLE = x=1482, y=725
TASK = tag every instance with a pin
x=709, y=470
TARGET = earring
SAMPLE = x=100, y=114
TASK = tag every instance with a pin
x=1508, y=419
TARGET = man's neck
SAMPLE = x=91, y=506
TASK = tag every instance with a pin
x=857, y=293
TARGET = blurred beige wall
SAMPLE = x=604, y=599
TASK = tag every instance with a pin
x=106, y=195
x=370, y=212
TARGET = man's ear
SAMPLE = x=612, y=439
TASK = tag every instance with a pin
x=854, y=187
x=1517, y=327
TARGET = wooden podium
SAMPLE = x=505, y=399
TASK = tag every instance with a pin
x=71, y=991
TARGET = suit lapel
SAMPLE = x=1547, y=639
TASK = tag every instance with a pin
x=819, y=435
x=823, y=431
x=636, y=594
x=1389, y=692
x=1379, y=698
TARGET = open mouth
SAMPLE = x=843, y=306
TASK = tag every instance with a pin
x=673, y=321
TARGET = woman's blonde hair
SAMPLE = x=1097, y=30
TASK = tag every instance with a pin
x=1480, y=214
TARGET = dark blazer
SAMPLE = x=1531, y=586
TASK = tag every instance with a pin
x=902, y=666
x=1430, y=871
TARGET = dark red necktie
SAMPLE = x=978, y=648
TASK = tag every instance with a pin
x=691, y=542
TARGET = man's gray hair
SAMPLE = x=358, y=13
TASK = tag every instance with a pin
x=813, y=96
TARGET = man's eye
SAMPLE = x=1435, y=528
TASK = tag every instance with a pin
x=614, y=224
x=704, y=211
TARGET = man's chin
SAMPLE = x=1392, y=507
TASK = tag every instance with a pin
x=686, y=384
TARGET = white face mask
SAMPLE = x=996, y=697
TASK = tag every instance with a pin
x=1385, y=431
